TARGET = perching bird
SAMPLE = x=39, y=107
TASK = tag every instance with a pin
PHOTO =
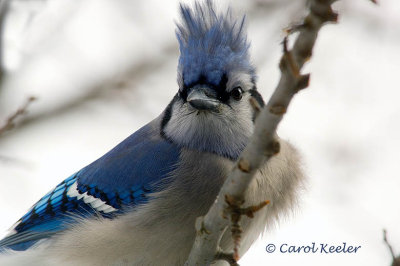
x=137, y=204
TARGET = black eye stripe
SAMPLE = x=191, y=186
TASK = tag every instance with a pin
x=220, y=88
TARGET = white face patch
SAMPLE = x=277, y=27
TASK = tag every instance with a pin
x=225, y=132
x=95, y=203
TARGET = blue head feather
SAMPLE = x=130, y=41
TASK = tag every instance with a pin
x=211, y=45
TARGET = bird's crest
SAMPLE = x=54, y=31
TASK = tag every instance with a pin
x=211, y=44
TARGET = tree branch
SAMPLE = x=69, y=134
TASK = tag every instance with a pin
x=263, y=144
x=10, y=122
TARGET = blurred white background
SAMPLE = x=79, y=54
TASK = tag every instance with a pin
x=103, y=68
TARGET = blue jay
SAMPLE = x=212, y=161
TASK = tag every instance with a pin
x=137, y=204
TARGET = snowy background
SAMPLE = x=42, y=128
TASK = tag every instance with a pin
x=103, y=68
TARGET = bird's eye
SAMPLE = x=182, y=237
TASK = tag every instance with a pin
x=236, y=93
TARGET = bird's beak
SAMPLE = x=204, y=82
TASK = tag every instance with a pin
x=203, y=99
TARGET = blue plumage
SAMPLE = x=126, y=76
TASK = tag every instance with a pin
x=142, y=159
x=54, y=202
x=119, y=180
x=211, y=45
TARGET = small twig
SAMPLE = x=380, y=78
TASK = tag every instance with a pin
x=396, y=260
x=10, y=122
x=388, y=244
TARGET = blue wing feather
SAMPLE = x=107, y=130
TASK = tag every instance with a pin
x=120, y=179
